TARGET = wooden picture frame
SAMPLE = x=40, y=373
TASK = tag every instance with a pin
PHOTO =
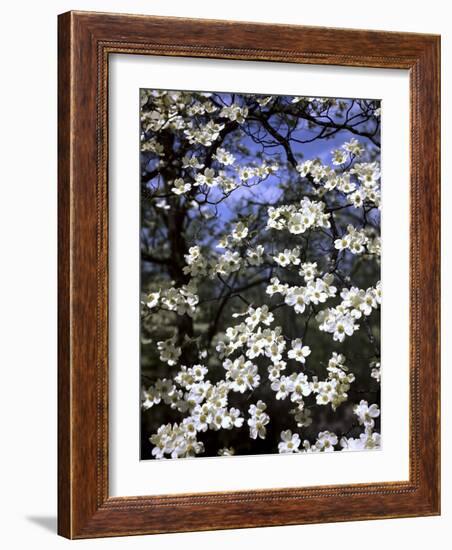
x=86, y=40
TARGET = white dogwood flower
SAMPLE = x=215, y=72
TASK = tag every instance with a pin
x=223, y=156
x=298, y=351
x=289, y=442
x=366, y=414
x=180, y=187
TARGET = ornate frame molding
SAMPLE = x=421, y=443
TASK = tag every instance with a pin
x=85, y=42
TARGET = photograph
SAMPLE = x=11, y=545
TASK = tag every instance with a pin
x=233, y=239
x=260, y=270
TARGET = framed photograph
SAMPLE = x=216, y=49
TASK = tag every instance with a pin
x=248, y=275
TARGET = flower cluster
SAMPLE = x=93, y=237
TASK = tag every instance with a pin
x=257, y=420
x=235, y=113
x=340, y=320
x=361, y=302
x=228, y=263
x=205, y=403
x=334, y=389
x=297, y=219
x=316, y=291
x=295, y=385
x=366, y=414
x=166, y=113
x=368, y=439
x=177, y=440
x=353, y=240
x=242, y=374
x=182, y=300
x=204, y=135
x=249, y=334
x=197, y=264
x=169, y=351
x=349, y=148
x=360, y=183
x=224, y=157
x=326, y=441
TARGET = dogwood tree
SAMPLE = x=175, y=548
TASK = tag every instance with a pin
x=260, y=274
